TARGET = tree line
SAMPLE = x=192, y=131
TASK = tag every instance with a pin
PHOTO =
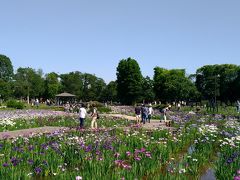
x=210, y=82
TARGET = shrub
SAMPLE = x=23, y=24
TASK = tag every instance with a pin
x=95, y=104
x=58, y=108
x=104, y=109
x=15, y=104
x=160, y=107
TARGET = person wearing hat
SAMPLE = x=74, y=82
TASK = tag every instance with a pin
x=150, y=113
x=164, y=111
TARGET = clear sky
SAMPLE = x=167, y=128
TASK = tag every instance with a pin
x=93, y=35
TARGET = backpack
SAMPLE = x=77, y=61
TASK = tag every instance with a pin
x=161, y=110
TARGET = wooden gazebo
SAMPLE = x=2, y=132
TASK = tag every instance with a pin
x=64, y=97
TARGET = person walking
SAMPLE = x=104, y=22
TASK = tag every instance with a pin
x=138, y=114
x=238, y=106
x=178, y=106
x=164, y=111
x=144, y=110
x=37, y=102
x=94, y=118
x=150, y=113
x=82, y=115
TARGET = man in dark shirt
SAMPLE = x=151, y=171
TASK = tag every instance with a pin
x=144, y=111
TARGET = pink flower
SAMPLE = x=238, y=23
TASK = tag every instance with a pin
x=100, y=159
x=137, y=151
x=116, y=155
x=148, y=155
x=79, y=178
x=237, y=178
x=238, y=172
x=137, y=158
x=128, y=153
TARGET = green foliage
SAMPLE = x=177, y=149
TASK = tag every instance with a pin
x=52, y=85
x=92, y=87
x=129, y=81
x=173, y=85
x=72, y=83
x=104, y=109
x=15, y=104
x=85, y=86
x=147, y=92
x=6, y=68
x=28, y=82
x=221, y=81
x=109, y=93
x=96, y=104
x=5, y=89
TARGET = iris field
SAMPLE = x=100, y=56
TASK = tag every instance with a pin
x=197, y=144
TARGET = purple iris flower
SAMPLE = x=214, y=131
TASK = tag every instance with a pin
x=5, y=164
x=38, y=170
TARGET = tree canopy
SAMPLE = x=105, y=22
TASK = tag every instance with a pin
x=221, y=82
x=218, y=80
x=173, y=85
x=129, y=81
x=6, y=68
x=28, y=82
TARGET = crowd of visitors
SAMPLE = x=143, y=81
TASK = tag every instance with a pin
x=144, y=113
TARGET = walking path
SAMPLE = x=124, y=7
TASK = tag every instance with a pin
x=154, y=125
x=29, y=132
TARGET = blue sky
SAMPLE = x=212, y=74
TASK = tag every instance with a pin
x=92, y=36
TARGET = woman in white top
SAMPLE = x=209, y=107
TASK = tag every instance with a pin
x=150, y=112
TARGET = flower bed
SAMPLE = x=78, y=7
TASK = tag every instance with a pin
x=201, y=142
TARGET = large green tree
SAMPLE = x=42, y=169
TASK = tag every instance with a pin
x=5, y=89
x=6, y=74
x=147, y=90
x=85, y=86
x=129, y=81
x=6, y=68
x=110, y=92
x=52, y=85
x=218, y=81
x=72, y=83
x=28, y=83
x=173, y=85
x=92, y=87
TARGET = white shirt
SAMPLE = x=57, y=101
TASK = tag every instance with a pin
x=82, y=112
x=150, y=110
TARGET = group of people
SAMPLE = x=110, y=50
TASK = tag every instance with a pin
x=35, y=102
x=71, y=108
x=83, y=114
x=144, y=113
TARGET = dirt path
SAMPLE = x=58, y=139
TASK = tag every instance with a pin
x=154, y=125
x=123, y=116
x=29, y=132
